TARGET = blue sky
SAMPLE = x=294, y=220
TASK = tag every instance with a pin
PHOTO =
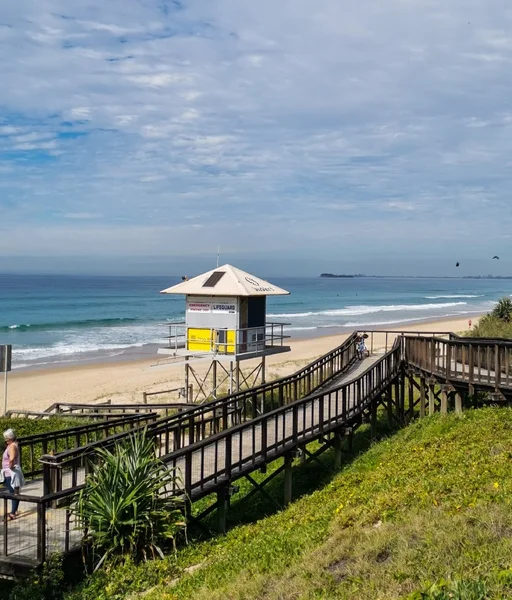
x=301, y=136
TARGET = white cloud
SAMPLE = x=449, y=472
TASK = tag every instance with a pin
x=246, y=113
x=79, y=113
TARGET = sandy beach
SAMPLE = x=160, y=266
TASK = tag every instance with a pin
x=125, y=382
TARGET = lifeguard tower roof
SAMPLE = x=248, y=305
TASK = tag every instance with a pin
x=226, y=281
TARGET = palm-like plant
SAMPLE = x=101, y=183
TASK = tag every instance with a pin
x=503, y=310
x=126, y=507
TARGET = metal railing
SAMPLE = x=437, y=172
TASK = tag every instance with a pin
x=226, y=341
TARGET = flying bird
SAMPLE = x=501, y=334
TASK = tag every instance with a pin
x=457, y=264
x=497, y=257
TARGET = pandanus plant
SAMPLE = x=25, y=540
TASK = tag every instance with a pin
x=503, y=310
x=126, y=507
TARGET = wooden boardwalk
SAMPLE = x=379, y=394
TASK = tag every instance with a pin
x=211, y=457
x=248, y=442
x=23, y=531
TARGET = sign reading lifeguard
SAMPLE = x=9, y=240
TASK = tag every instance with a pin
x=224, y=308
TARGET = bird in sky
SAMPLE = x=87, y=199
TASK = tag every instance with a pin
x=457, y=264
x=497, y=257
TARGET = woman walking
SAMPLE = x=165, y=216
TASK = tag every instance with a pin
x=11, y=470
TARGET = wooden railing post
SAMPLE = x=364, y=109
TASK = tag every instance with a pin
x=431, y=398
x=444, y=400
x=497, y=367
x=288, y=478
x=411, y=397
x=422, y=397
x=49, y=479
x=337, y=450
x=321, y=413
x=225, y=413
x=191, y=427
x=222, y=501
x=41, y=531
x=264, y=439
x=448, y=359
x=188, y=473
x=295, y=425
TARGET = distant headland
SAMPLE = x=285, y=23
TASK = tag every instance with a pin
x=348, y=276
x=332, y=275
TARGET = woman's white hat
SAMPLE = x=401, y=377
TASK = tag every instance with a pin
x=9, y=434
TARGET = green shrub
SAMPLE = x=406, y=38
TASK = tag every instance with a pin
x=124, y=580
x=490, y=326
x=124, y=506
x=23, y=426
x=497, y=323
x=45, y=583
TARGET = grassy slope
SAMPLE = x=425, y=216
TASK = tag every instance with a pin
x=431, y=502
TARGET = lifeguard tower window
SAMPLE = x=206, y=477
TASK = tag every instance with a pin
x=256, y=311
x=214, y=279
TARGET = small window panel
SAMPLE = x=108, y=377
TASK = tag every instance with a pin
x=214, y=279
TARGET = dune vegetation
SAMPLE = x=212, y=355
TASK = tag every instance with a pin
x=424, y=513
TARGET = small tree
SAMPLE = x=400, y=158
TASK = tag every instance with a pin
x=126, y=507
x=503, y=310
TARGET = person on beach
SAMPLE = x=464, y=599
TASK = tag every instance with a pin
x=11, y=470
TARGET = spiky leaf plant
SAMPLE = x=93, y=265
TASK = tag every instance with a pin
x=126, y=508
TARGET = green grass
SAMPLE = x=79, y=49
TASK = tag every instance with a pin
x=426, y=513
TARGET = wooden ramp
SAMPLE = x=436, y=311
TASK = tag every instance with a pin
x=20, y=539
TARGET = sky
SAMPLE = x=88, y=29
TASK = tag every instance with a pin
x=301, y=136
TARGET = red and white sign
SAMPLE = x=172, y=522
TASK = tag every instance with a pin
x=203, y=307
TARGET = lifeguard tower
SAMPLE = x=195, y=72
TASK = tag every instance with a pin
x=225, y=323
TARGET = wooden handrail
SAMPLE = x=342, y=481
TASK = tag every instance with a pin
x=203, y=414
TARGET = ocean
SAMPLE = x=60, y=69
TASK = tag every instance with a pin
x=68, y=319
